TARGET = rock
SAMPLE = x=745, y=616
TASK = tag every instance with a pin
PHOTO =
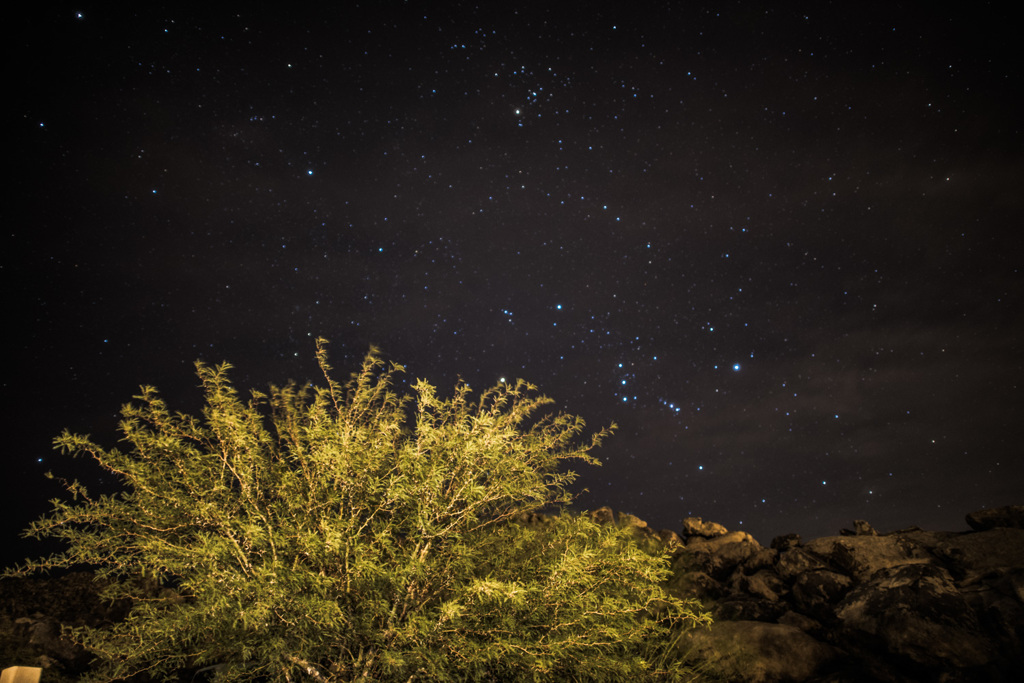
x=757, y=652
x=45, y=633
x=909, y=605
x=926, y=540
x=800, y=621
x=716, y=543
x=670, y=539
x=1008, y=517
x=973, y=556
x=762, y=558
x=915, y=611
x=720, y=555
x=603, y=515
x=862, y=556
x=739, y=608
x=628, y=521
x=785, y=542
x=696, y=584
x=764, y=584
x=817, y=592
x=862, y=528
x=796, y=561
x=645, y=536
x=999, y=604
x=695, y=526
x=33, y=611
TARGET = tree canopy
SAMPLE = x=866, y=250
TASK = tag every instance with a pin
x=347, y=533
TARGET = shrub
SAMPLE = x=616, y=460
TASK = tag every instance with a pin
x=346, y=533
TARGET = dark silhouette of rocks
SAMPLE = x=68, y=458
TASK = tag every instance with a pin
x=911, y=605
x=35, y=612
x=1007, y=517
x=899, y=607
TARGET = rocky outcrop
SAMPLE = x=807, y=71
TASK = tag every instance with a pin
x=911, y=605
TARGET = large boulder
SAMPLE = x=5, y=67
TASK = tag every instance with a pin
x=671, y=540
x=785, y=542
x=762, y=558
x=1008, y=517
x=738, y=607
x=695, y=584
x=999, y=604
x=796, y=561
x=758, y=652
x=695, y=526
x=720, y=555
x=763, y=584
x=972, y=557
x=915, y=612
x=817, y=592
x=862, y=556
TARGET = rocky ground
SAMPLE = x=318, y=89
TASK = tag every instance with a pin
x=911, y=605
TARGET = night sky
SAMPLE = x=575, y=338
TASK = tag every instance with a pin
x=782, y=248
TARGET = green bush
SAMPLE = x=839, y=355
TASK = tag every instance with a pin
x=348, y=534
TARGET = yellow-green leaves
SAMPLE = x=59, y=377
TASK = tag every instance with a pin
x=358, y=534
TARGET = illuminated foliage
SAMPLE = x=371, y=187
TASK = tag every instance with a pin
x=346, y=533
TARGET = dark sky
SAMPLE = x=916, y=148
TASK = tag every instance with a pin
x=781, y=247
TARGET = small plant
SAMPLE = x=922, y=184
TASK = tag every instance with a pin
x=346, y=533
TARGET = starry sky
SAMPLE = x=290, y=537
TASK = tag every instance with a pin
x=778, y=243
